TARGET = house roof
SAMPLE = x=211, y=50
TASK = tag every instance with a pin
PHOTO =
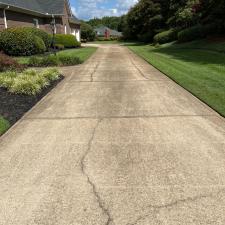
x=101, y=31
x=54, y=7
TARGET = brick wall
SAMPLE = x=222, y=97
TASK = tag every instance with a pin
x=16, y=19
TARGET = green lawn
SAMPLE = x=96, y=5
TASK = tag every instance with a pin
x=82, y=53
x=197, y=66
x=4, y=125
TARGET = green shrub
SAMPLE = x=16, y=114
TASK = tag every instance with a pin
x=69, y=60
x=39, y=44
x=54, y=60
x=59, y=46
x=29, y=82
x=17, y=42
x=67, y=40
x=166, y=36
x=197, y=32
x=39, y=33
x=50, y=60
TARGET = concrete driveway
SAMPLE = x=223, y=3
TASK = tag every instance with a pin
x=116, y=143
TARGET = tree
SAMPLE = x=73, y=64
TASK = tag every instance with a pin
x=144, y=20
x=87, y=32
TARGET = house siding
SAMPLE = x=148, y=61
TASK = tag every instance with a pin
x=19, y=19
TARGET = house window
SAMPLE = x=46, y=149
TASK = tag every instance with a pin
x=36, y=23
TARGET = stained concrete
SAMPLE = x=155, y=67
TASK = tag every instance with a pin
x=116, y=143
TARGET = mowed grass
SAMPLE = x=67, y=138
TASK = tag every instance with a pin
x=4, y=125
x=197, y=66
x=83, y=53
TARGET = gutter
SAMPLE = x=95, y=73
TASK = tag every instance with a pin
x=4, y=15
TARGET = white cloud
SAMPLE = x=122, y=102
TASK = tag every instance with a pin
x=95, y=8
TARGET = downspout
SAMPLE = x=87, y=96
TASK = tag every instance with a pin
x=5, y=19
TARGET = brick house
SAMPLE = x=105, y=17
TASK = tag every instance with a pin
x=39, y=13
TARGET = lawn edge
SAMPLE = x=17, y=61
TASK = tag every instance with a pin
x=201, y=100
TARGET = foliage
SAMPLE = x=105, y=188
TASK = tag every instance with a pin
x=143, y=20
x=66, y=60
x=111, y=22
x=4, y=125
x=59, y=46
x=196, y=32
x=41, y=34
x=87, y=32
x=8, y=63
x=150, y=17
x=67, y=40
x=18, y=41
x=206, y=79
x=28, y=82
x=54, y=60
x=166, y=36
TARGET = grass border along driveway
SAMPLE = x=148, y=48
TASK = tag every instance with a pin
x=197, y=66
x=4, y=125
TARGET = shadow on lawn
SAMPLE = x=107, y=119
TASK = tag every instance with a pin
x=193, y=55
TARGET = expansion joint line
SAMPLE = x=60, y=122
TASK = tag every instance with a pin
x=157, y=208
x=94, y=189
x=95, y=69
x=138, y=69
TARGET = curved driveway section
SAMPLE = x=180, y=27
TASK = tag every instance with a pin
x=116, y=143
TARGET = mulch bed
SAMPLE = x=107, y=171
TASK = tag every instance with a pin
x=14, y=106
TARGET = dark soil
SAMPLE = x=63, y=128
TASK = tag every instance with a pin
x=14, y=106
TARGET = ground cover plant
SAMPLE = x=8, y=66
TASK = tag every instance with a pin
x=28, y=82
x=197, y=66
x=63, y=58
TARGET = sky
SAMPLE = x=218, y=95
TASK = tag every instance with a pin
x=88, y=9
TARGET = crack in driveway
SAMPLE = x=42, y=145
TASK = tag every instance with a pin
x=84, y=171
x=157, y=208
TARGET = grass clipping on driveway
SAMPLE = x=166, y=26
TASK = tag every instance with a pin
x=4, y=125
x=28, y=82
x=197, y=66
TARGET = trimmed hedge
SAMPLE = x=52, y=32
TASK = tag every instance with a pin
x=54, y=60
x=67, y=40
x=166, y=36
x=18, y=42
x=40, y=33
x=196, y=32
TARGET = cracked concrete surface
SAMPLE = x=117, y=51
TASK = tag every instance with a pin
x=116, y=143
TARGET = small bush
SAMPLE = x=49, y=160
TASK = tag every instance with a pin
x=39, y=33
x=59, y=47
x=50, y=60
x=8, y=63
x=39, y=44
x=67, y=40
x=196, y=32
x=18, y=42
x=54, y=60
x=29, y=82
x=69, y=60
x=166, y=36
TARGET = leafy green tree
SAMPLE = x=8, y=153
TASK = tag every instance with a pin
x=87, y=32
